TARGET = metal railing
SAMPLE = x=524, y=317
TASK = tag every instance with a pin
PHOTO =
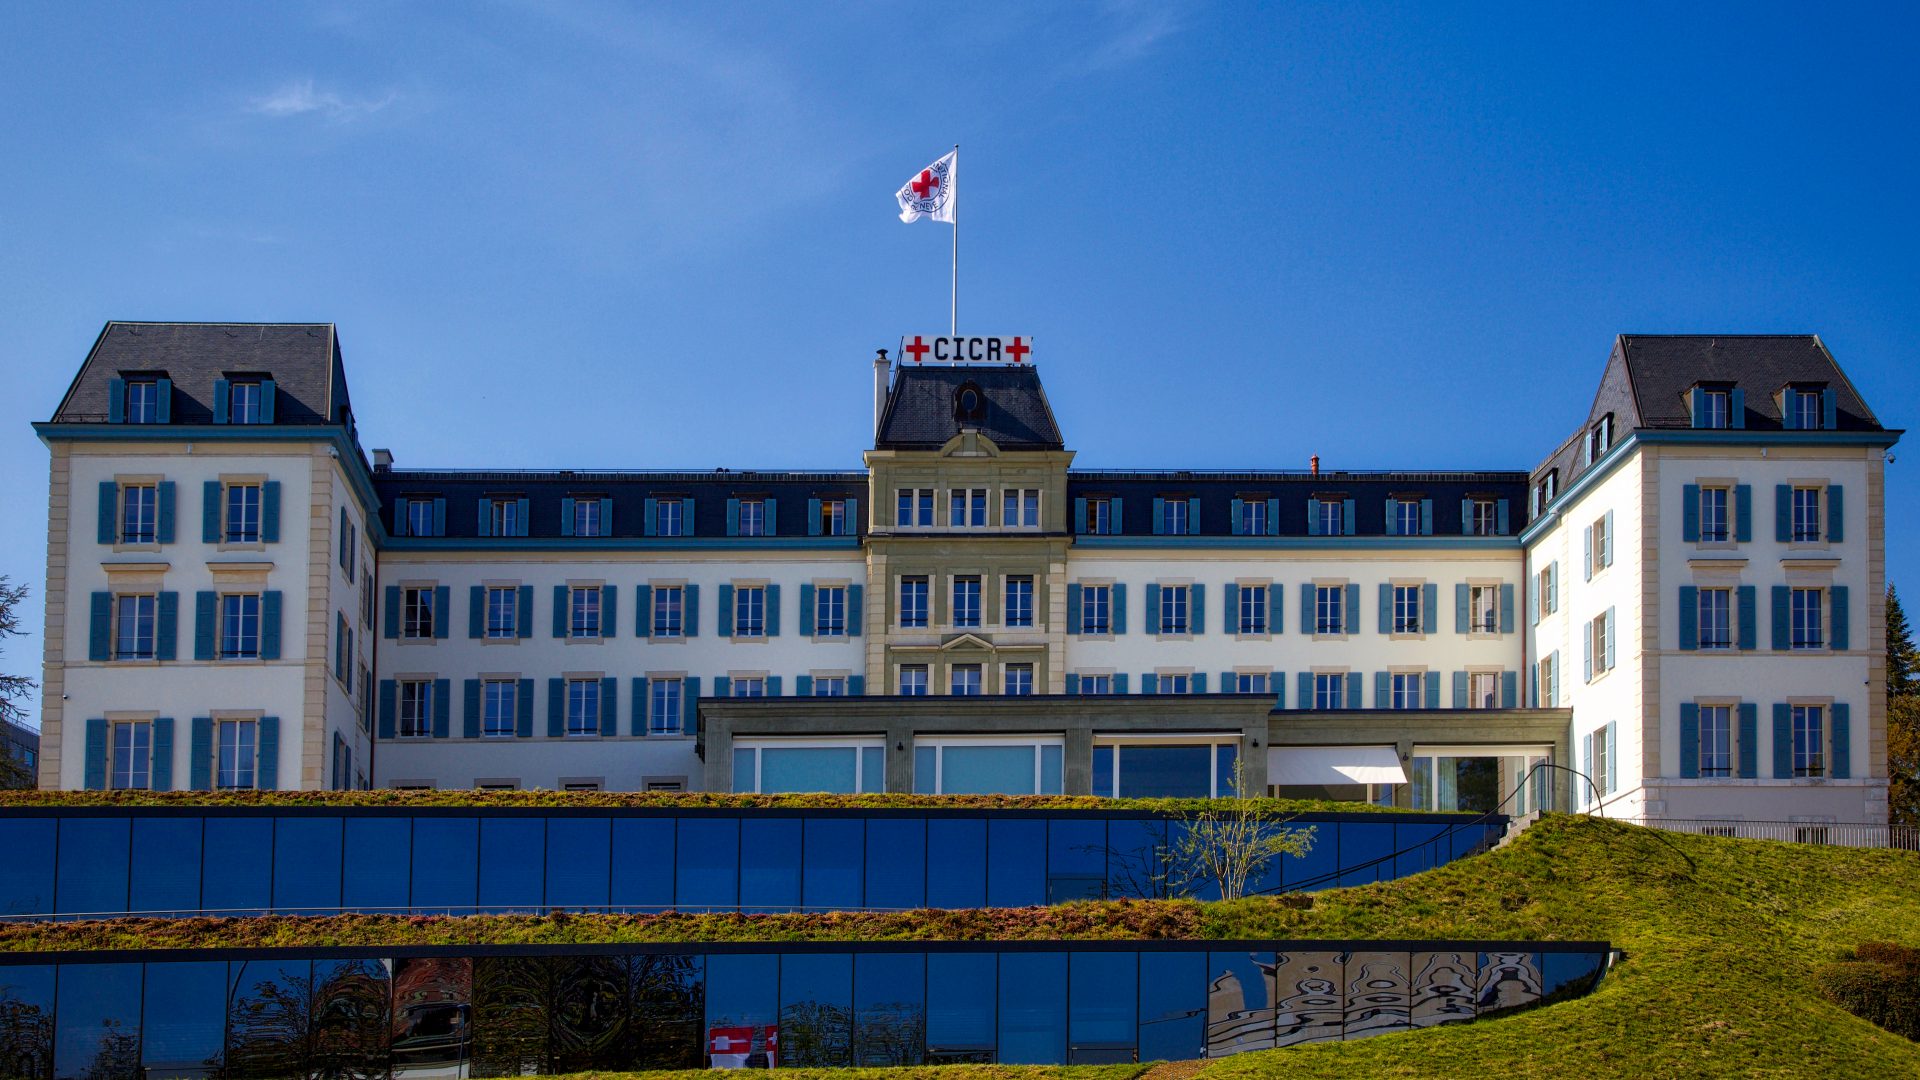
x=1836, y=834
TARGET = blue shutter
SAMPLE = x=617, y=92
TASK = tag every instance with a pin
x=1466, y=517
x=1607, y=652
x=686, y=518
x=166, y=630
x=523, y=516
x=566, y=516
x=1119, y=610
x=637, y=718
x=1742, y=513
x=116, y=401
x=267, y=396
x=1230, y=610
x=773, y=686
x=1553, y=586
x=470, y=710
x=723, y=613
x=806, y=610
x=1586, y=767
x=643, y=611
x=556, y=708
x=1119, y=510
x=606, y=517
x=803, y=686
x=163, y=522
x=1392, y=519
x=1073, y=683
x=1431, y=686
x=1160, y=516
x=1836, y=513
x=1690, y=513
x=203, y=620
x=722, y=686
x=270, y=512
x=1509, y=689
x=1237, y=524
x=266, y=770
x=200, y=753
x=773, y=609
x=439, y=517
x=609, y=611
x=1277, y=682
x=1382, y=690
x=442, y=707
x=856, y=685
x=1079, y=516
x=856, y=599
x=1149, y=683
x=1749, y=740
x=1276, y=609
x=270, y=625
x=771, y=510
x=1273, y=517
x=161, y=762
x=1837, y=637
x=1697, y=406
x=1462, y=601
x=221, y=398
x=1737, y=408
x=1313, y=519
x=399, y=517
x=1349, y=518
x=1197, y=683
x=1073, y=607
x=1426, y=517
x=813, y=517
x=733, y=517
x=1500, y=522
x=476, y=611
x=1353, y=690
x=1119, y=682
x=1689, y=618
x=523, y=710
x=1309, y=614
x=1586, y=650
x=163, y=401
x=610, y=707
x=1782, y=638
x=1689, y=740
x=1506, y=608
x=1229, y=683
x=1152, y=613
x=1351, y=614
x=1197, y=609
x=1533, y=600
x=108, y=524
x=1553, y=678
x=100, y=627
x=690, y=610
x=1304, y=698
x=1829, y=410
x=389, y=699
x=1460, y=688
x=1606, y=542
x=1429, y=601
x=442, y=610
x=1783, y=514
x=94, y=772
x=1746, y=602
x=559, y=611
x=1193, y=516
x=1386, y=609
x=1840, y=766
x=523, y=613
x=210, y=512
x=853, y=517
x=1613, y=756
x=650, y=518
x=1782, y=741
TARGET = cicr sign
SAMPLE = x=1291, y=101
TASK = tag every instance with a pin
x=921, y=349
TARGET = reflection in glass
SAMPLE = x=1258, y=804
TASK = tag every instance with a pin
x=1076, y=859
x=1309, y=997
x=99, y=1014
x=26, y=1019
x=956, y=875
x=643, y=864
x=1508, y=981
x=1366, y=850
x=769, y=864
x=26, y=874
x=816, y=1010
x=1137, y=859
x=896, y=856
x=1172, y=771
x=1378, y=990
x=831, y=877
x=185, y=1026
x=577, y=863
x=1103, y=992
x=444, y=853
x=889, y=1009
x=350, y=1022
x=1173, y=1006
x=1569, y=975
x=1419, y=846
x=93, y=866
x=270, y=1009
x=743, y=1011
x=306, y=865
x=548, y=1014
x=513, y=854
x=1239, y=1002
x=668, y=996
x=166, y=866
x=706, y=861
x=1016, y=862
x=234, y=876
x=378, y=864
x=961, y=990
x=1443, y=987
x=432, y=1010
x=1033, y=1013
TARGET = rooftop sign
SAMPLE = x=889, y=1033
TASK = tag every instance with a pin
x=920, y=349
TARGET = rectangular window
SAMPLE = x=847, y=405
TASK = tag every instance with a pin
x=1809, y=740
x=1804, y=407
x=1253, y=517
x=1716, y=740
x=833, y=518
x=1406, y=609
x=1329, y=609
x=1020, y=508
x=1096, y=684
x=1486, y=517
x=1174, y=511
x=1253, y=609
x=243, y=403
x=1329, y=690
x=1601, y=778
x=503, y=612
x=1483, y=690
x=1714, y=528
x=1600, y=551
x=1600, y=438
x=416, y=612
x=235, y=764
x=975, y=766
x=670, y=517
x=1598, y=632
x=1174, y=606
x=840, y=766
x=830, y=611
x=1100, y=517
x=1175, y=769
x=664, y=713
x=1717, y=409
x=913, y=680
x=133, y=627
x=586, y=518
x=1096, y=609
x=503, y=517
x=1406, y=517
x=829, y=686
x=1018, y=609
x=1716, y=619
x=1173, y=683
x=966, y=600
x=1019, y=679
x=1332, y=515
x=668, y=612
x=143, y=401
x=1250, y=682
x=914, y=509
x=499, y=707
x=420, y=517
x=913, y=602
x=964, y=680
x=1543, y=588
x=583, y=611
x=243, y=514
x=349, y=537
x=967, y=508
x=240, y=626
x=753, y=517
x=751, y=686
x=139, y=513
x=750, y=611
x=1407, y=687
x=1543, y=682
x=1807, y=625
x=132, y=752
x=366, y=596
x=1483, y=609
x=416, y=708
x=583, y=706
x=1806, y=515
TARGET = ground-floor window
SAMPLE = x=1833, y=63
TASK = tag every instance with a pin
x=840, y=766
x=1504, y=779
x=959, y=765
x=1164, y=766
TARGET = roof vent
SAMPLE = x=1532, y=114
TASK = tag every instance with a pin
x=1313, y=465
x=383, y=461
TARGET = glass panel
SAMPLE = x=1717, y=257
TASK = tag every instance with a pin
x=1319, y=868
x=889, y=1009
x=235, y=873
x=896, y=869
x=1103, y=771
x=269, y=1012
x=1443, y=987
x=445, y=851
x=1173, y=1006
x=833, y=848
x=961, y=991
x=986, y=770
x=548, y=1014
x=379, y=854
x=1033, y=1014
x=1309, y=997
x=26, y=1001
x=957, y=879
x=578, y=853
x=742, y=1010
x=873, y=768
x=26, y=874
x=1508, y=982
x=186, y=1019
x=306, y=865
x=1565, y=975
x=513, y=854
x=1416, y=847
x=1076, y=859
x=816, y=1010
x=1148, y=772
x=1239, y=1002
x=745, y=760
x=1103, y=1019
x=821, y=768
x=1378, y=989
x=350, y=1021
x=707, y=862
x=1366, y=850
x=643, y=864
x=1224, y=756
x=93, y=866
x=166, y=866
x=1016, y=862
x=99, y=1010
x=1469, y=783
x=1137, y=861
x=669, y=995
x=1050, y=766
x=769, y=864
x=925, y=769
x=432, y=1013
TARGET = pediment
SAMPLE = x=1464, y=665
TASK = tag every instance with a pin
x=965, y=641
x=970, y=443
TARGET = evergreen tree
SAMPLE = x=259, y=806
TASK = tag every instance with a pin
x=1903, y=717
x=1903, y=660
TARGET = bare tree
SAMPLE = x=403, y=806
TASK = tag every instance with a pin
x=1231, y=843
x=13, y=771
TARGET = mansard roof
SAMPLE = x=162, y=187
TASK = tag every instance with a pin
x=923, y=410
x=302, y=359
x=1662, y=368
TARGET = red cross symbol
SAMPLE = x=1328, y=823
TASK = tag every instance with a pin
x=919, y=349
x=1019, y=350
x=925, y=185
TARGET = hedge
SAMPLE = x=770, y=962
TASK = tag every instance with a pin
x=1879, y=982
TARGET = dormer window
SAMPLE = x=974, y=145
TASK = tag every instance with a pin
x=1801, y=408
x=1715, y=409
x=969, y=405
x=243, y=399
x=243, y=403
x=1600, y=438
x=143, y=401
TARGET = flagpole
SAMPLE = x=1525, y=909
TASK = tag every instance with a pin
x=953, y=311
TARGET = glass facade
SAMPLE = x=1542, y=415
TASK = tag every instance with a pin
x=512, y=1011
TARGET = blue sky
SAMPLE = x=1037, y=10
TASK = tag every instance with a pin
x=606, y=235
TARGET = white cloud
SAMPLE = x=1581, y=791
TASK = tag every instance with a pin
x=300, y=98
x=1130, y=29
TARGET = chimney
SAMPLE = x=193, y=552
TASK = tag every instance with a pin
x=1313, y=465
x=881, y=369
x=383, y=461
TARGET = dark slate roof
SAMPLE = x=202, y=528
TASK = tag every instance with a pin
x=1370, y=491
x=920, y=413
x=1662, y=368
x=303, y=360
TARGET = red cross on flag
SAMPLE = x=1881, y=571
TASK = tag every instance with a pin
x=929, y=193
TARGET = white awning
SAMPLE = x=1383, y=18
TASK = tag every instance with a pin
x=1333, y=766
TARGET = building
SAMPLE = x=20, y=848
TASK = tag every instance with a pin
x=21, y=745
x=1419, y=637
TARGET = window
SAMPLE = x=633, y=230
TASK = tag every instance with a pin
x=240, y=626
x=143, y=401
x=499, y=707
x=915, y=508
x=913, y=602
x=1805, y=619
x=1180, y=683
x=753, y=517
x=667, y=614
x=966, y=600
x=133, y=627
x=234, y=768
x=132, y=755
x=1713, y=515
x=1329, y=609
x=1544, y=493
x=666, y=702
x=416, y=612
x=1716, y=624
x=1253, y=609
x=1806, y=515
x=1017, y=611
x=1329, y=690
x=1331, y=515
x=666, y=785
x=1544, y=683
x=366, y=596
x=1716, y=740
x=1716, y=409
x=1809, y=742
x=583, y=707
x=750, y=611
x=1597, y=633
x=1253, y=517
x=1174, y=511
x=964, y=680
x=243, y=514
x=1600, y=438
x=987, y=766
x=348, y=538
x=1600, y=549
x=1543, y=584
x=503, y=518
x=1483, y=690
x=1803, y=409
x=1176, y=768
x=243, y=403
x=580, y=785
x=1486, y=517
x=670, y=517
x=1020, y=508
x=139, y=513
x=1483, y=609
x=1250, y=682
x=913, y=680
x=1406, y=609
x=583, y=611
x=1407, y=689
x=829, y=686
x=967, y=508
x=1100, y=517
x=1174, y=607
x=749, y=686
x=1600, y=759
x=841, y=766
x=416, y=708
x=1406, y=517
x=1019, y=679
x=586, y=518
x=830, y=611
x=1096, y=609
x=1096, y=684
x=834, y=519
x=503, y=612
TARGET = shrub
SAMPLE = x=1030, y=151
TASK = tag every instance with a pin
x=1878, y=982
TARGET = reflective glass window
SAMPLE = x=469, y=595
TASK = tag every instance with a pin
x=431, y=1013
x=831, y=876
x=1076, y=859
x=1103, y=771
x=444, y=864
x=1416, y=847
x=1103, y=997
x=1016, y=862
x=1239, y=1002
x=707, y=861
x=1033, y=1008
x=93, y=866
x=1137, y=859
x=235, y=874
x=1148, y=772
x=896, y=863
x=889, y=1009
x=957, y=877
x=269, y=1008
x=668, y=1026
x=26, y=999
x=742, y=1010
x=962, y=989
x=306, y=865
x=166, y=866
x=987, y=770
x=513, y=852
x=1173, y=1006
x=99, y=1021
x=379, y=857
x=1319, y=868
x=816, y=1010
x=643, y=864
x=26, y=874
x=1378, y=985
x=1363, y=847
x=350, y=1022
x=1508, y=981
x=1309, y=997
x=1569, y=974
x=549, y=1014
x=578, y=853
x=831, y=769
x=769, y=864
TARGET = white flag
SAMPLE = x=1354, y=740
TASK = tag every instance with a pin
x=930, y=193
